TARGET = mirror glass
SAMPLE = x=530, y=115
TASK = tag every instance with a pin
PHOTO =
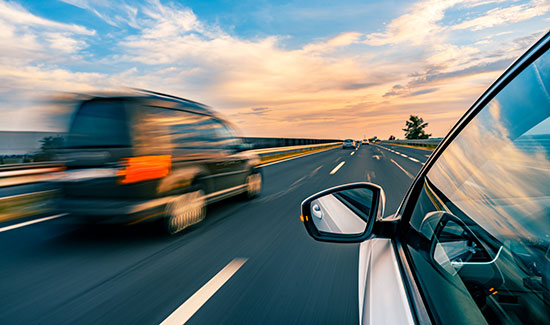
x=456, y=247
x=343, y=212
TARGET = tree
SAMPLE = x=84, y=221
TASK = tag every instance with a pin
x=47, y=148
x=391, y=138
x=415, y=128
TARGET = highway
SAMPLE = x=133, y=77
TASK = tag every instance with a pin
x=257, y=254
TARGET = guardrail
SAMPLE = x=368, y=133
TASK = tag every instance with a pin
x=20, y=174
x=273, y=154
x=428, y=143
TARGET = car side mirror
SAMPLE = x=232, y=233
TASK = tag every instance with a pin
x=241, y=146
x=457, y=250
x=344, y=213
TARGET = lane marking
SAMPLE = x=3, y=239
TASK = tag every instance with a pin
x=404, y=156
x=337, y=168
x=28, y=223
x=353, y=153
x=377, y=157
x=427, y=156
x=415, y=160
x=298, y=181
x=403, y=169
x=199, y=298
x=316, y=170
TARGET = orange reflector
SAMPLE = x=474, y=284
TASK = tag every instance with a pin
x=306, y=218
x=491, y=289
x=494, y=293
x=302, y=218
x=144, y=168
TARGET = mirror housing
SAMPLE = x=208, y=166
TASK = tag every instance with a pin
x=345, y=213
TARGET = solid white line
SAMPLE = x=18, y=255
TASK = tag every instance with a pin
x=27, y=223
x=287, y=159
x=415, y=160
x=403, y=169
x=337, y=167
x=199, y=298
x=353, y=153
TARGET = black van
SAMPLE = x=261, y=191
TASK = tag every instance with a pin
x=148, y=156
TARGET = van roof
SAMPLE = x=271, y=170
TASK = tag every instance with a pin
x=187, y=104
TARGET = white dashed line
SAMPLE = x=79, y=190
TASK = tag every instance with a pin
x=415, y=160
x=27, y=223
x=337, y=168
x=403, y=169
x=199, y=298
x=404, y=156
x=427, y=156
x=353, y=153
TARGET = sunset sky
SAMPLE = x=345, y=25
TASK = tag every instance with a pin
x=319, y=69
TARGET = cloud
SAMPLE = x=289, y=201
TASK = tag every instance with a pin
x=17, y=15
x=327, y=87
x=502, y=16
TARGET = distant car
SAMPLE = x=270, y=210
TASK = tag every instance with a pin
x=470, y=242
x=366, y=141
x=148, y=156
x=348, y=144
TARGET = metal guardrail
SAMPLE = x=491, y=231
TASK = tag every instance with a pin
x=27, y=173
x=433, y=142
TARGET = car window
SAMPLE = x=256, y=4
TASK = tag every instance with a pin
x=175, y=129
x=100, y=123
x=227, y=137
x=479, y=239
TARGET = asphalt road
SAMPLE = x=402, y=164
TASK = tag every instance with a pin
x=53, y=273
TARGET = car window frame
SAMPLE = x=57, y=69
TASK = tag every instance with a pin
x=404, y=212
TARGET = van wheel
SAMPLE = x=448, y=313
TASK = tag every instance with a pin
x=185, y=210
x=253, y=185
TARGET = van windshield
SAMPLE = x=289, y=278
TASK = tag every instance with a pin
x=100, y=124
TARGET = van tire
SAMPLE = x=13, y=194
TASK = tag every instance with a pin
x=254, y=183
x=185, y=210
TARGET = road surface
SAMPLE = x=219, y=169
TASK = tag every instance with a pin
x=247, y=263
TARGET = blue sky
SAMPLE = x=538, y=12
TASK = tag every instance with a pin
x=275, y=68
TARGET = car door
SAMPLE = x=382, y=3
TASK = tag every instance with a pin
x=475, y=228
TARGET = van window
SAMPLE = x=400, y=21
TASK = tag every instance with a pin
x=99, y=123
x=489, y=256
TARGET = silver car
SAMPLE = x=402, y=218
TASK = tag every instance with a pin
x=470, y=242
x=348, y=144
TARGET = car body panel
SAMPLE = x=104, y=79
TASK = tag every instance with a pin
x=381, y=285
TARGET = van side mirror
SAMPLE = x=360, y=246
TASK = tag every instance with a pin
x=344, y=213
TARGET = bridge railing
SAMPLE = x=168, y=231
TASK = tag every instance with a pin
x=429, y=143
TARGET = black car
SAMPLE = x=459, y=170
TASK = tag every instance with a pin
x=148, y=156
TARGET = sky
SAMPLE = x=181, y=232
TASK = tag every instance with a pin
x=313, y=69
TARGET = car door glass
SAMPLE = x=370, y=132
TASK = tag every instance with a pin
x=493, y=262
